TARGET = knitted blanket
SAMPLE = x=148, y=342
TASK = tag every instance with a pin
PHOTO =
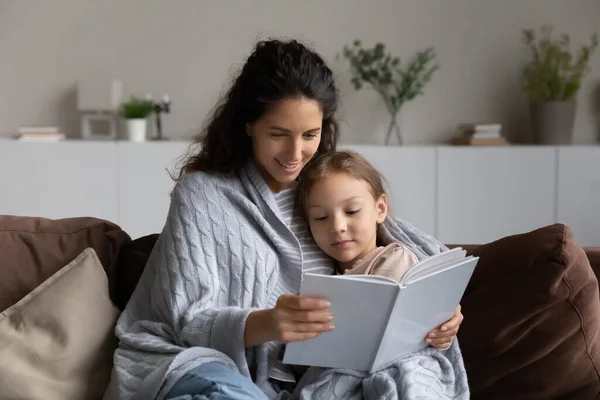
x=224, y=251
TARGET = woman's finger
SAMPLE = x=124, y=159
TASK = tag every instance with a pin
x=289, y=337
x=312, y=316
x=303, y=327
x=298, y=302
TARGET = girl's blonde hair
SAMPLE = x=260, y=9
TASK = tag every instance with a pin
x=347, y=162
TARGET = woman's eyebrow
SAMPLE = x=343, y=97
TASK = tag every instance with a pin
x=278, y=128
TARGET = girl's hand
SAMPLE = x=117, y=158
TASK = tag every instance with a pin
x=296, y=318
x=441, y=337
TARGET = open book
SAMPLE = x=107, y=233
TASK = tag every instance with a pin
x=378, y=319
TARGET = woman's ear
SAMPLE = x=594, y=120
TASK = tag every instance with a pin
x=381, y=207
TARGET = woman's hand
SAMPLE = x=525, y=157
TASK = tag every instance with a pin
x=442, y=336
x=293, y=319
x=296, y=318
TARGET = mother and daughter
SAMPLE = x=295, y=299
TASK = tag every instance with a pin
x=266, y=199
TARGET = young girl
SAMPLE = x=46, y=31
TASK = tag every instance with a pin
x=343, y=198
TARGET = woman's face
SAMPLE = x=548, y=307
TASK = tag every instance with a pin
x=284, y=140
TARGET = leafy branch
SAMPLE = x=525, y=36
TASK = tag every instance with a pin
x=379, y=69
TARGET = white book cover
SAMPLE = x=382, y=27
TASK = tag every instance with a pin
x=377, y=319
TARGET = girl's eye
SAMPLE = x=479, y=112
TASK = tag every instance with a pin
x=352, y=212
x=320, y=218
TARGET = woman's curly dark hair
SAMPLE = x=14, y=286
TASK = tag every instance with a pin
x=276, y=70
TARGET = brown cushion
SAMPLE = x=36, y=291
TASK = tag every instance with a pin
x=54, y=346
x=532, y=319
x=33, y=249
x=593, y=254
x=130, y=265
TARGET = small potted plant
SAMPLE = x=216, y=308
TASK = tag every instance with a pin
x=551, y=79
x=136, y=112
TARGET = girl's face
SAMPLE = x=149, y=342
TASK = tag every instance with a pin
x=284, y=140
x=343, y=217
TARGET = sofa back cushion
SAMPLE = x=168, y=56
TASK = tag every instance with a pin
x=532, y=319
x=33, y=249
x=130, y=265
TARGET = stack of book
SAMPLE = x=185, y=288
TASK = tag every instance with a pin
x=40, y=134
x=474, y=134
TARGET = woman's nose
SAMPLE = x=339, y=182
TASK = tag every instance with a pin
x=295, y=149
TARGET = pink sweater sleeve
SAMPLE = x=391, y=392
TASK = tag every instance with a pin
x=391, y=261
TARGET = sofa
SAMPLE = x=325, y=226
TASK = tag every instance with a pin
x=531, y=328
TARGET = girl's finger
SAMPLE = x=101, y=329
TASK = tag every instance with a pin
x=438, y=334
x=453, y=323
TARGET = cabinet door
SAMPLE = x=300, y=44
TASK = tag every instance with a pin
x=145, y=185
x=579, y=192
x=58, y=180
x=488, y=193
x=410, y=176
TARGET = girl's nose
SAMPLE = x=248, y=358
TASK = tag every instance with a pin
x=338, y=225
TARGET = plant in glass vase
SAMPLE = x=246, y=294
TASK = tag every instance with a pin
x=381, y=70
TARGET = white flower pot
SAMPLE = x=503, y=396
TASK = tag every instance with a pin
x=136, y=129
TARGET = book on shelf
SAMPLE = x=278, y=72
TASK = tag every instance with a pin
x=39, y=134
x=466, y=140
x=378, y=319
x=479, y=127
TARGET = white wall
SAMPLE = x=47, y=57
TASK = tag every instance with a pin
x=187, y=47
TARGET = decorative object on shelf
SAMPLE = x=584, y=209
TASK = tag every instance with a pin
x=382, y=71
x=552, y=79
x=163, y=106
x=136, y=112
x=40, y=134
x=479, y=134
x=98, y=107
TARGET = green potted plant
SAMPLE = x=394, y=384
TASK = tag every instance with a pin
x=551, y=79
x=380, y=70
x=136, y=112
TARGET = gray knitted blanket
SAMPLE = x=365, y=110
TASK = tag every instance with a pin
x=224, y=252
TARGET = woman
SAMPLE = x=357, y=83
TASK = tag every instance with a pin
x=215, y=302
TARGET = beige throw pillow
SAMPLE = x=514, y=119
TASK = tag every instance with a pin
x=58, y=341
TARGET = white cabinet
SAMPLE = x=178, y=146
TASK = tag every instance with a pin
x=58, y=180
x=487, y=193
x=459, y=194
x=579, y=192
x=145, y=184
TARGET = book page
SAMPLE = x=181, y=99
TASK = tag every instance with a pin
x=434, y=263
x=360, y=309
x=421, y=306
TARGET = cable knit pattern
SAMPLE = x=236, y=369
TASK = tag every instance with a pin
x=224, y=251
x=429, y=374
